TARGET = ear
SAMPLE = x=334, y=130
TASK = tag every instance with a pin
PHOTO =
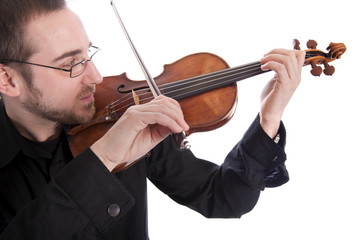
x=7, y=84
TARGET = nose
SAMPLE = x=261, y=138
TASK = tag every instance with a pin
x=91, y=74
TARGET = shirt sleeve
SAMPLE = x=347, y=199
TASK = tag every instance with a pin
x=225, y=191
x=82, y=214
x=261, y=157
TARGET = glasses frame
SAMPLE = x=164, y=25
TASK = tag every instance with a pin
x=84, y=62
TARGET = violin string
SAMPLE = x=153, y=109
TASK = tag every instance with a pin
x=186, y=87
x=315, y=53
x=130, y=101
x=211, y=80
x=196, y=81
x=217, y=74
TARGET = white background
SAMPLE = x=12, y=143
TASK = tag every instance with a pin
x=322, y=199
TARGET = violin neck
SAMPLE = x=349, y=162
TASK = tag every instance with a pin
x=196, y=85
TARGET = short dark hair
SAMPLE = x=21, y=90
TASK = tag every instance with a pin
x=14, y=18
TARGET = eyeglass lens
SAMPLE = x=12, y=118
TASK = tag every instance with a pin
x=80, y=67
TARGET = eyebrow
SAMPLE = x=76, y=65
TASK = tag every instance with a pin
x=67, y=54
x=70, y=53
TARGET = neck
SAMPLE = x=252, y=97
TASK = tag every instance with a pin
x=30, y=125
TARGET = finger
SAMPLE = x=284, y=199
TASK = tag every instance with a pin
x=166, y=106
x=283, y=56
x=157, y=112
x=159, y=133
x=282, y=74
x=150, y=118
x=169, y=103
x=298, y=55
x=289, y=59
x=301, y=57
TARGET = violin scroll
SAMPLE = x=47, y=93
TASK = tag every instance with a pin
x=336, y=50
x=315, y=57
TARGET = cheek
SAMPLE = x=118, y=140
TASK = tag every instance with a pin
x=62, y=97
x=59, y=93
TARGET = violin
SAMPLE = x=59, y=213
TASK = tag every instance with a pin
x=203, y=84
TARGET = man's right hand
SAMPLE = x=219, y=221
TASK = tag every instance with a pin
x=138, y=131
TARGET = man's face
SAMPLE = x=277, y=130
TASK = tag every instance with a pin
x=60, y=41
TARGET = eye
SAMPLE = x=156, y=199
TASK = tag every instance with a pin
x=69, y=64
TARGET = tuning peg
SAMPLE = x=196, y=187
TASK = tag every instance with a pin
x=316, y=70
x=315, y=57
x=296, y=44
x=329, y=70
x=311, y=44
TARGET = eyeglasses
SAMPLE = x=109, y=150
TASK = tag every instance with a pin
x=75, y=70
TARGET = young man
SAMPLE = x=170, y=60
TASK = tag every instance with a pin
x=47, y=82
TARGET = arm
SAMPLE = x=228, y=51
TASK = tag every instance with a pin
x=277, y=93
x=226, y=191
x=64, y=210
x=254, y=163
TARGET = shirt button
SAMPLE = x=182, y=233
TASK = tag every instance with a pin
x=113, y=210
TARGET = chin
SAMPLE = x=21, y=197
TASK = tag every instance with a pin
x=75, y=117
x=87, y=116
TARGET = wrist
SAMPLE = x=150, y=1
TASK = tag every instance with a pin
x=270, y=126
x=110, y=165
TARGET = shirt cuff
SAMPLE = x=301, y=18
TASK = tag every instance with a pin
x=264, y=158
x=95, y=190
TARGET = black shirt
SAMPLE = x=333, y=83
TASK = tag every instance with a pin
x=45, y=193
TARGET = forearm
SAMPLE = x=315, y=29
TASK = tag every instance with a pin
x=229, y=190
x=287, y=64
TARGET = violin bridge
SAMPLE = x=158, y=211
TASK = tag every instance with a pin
x=135, y=98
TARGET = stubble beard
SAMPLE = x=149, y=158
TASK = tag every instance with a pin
x=35, y=104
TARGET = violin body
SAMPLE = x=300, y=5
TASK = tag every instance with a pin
x=203, y=111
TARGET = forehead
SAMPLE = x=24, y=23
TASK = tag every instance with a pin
x=57, y=32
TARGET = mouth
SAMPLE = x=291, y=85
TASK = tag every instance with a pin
x=88, y=95
x=88, y=98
